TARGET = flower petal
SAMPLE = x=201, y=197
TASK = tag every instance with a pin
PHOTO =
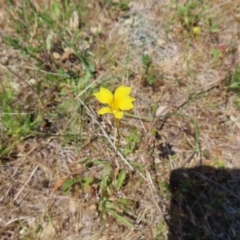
x=122, y=100
x=104, y=96
x=126, y=103
x=121, y=92
x=118, y=114
x=104, y=110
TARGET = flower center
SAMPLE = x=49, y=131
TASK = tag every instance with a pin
x=114, y=105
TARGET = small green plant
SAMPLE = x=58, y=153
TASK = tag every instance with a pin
x=213, y=27
x=109, y=203
x=149, y=73
x=235, y=85
x=84, y=182
x=165, y=189
x=146, y=61
x=235, y=82
x=18, y=124
x=161, y=229
x=121, y=5
x=216, y=53
x=132, y=142
x=15, y=122
x=190, y=15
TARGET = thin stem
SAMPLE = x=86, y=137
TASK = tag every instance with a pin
x=118, y=134
x=117, y=124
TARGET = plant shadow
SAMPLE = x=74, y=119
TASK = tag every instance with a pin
x=205, y=204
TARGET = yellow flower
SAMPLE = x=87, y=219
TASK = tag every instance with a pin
x=117, y=103
x=196, y=30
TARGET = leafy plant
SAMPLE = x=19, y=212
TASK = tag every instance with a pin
x=235, y=84
x=215, y=53
x=190, y=14
x=115, y=209
x=15, y=124
x=146, y=61
x=149, y=73
x=121, y=5
x=110, y=204
x=132, y=142
x=84, y=182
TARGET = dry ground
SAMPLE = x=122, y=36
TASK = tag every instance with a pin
x=60, y=176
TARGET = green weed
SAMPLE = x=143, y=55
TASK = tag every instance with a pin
x=121, y=5
x=149, y=74
x=193, y=17
x=216, y=53
x=190, y=15
x=109, y=185
x=14, y=121
x=161, y=228
x=39, y=34
x=235, y=85
x=133, y=141
x=84, y=182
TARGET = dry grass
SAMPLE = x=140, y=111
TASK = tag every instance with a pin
x=59, y=175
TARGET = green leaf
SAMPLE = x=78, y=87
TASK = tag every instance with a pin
x=120, y=218
x=67, y=185
x=86, y=183
x=106, y=173
x=221, y=164
x=56, y=9
x=104, y=185
x=216, y=53
x=49, y=42
x=39, y=87
x=120, y=179
x=123, y=201
x=146, y=60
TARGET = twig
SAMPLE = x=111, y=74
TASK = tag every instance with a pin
x=6, y=193
x=17, y=219
x=89, y=86
x=24, y=185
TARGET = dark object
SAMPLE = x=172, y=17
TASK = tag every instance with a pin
x=165, y=150
x=205, y=204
